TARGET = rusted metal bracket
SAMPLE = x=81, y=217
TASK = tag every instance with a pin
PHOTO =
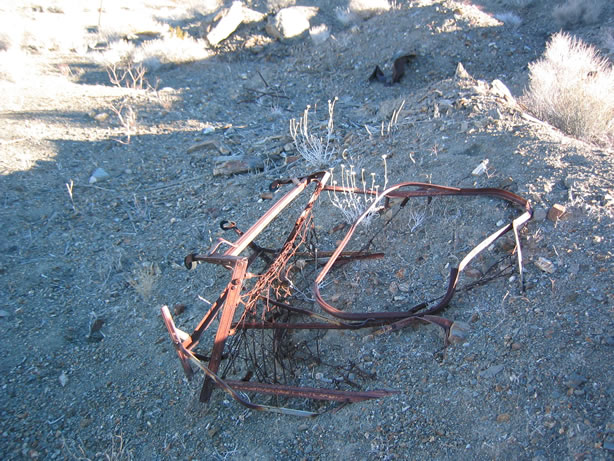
x=273, y=285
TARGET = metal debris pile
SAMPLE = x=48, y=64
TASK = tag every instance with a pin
x=275, y=293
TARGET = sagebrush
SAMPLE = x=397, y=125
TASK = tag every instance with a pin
x=572, y=88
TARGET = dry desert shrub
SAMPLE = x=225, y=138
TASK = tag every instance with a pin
x=574, y=12
x=572, y=88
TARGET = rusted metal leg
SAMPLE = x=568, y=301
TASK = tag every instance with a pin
x=228, y=311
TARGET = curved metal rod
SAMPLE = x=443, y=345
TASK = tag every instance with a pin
x=426, y=190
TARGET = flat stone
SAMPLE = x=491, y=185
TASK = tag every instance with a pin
x=491, y=372
x=235, y=165
x=98, y=175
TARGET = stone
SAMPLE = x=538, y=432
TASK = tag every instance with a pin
x=545, y=265
x=101, y=117
x=491, y=371
x=503, y=418
x=291, y=22
x=368, y=8
x=539, y=214
x=556, y=212
x=209, y=145
x=461, y=73
x=499, y=89
x=63, y=379
x=481, y=168
x=237, y=164
x=99, y=175
x=231, y=19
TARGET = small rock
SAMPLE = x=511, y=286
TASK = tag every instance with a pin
x=516, y=346
x=503, y=418
x=232, y=18
x=266, y=195
x=235, y=165
x=500, y=90
x=291, y=22
x=539, y=214
x=461, y=73
x=545, y=265
x=98, y=175
x=459, y=331
x=473, y=273
x=303, y=427
x=491, y=372
x=575, y=380
x=179, y=309
x=63, y=379
x=481, y=168
x=368, y=8
x=209, y=145
x=556, y=212
x=101, y=117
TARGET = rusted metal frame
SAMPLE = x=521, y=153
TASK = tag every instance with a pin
x=309, y=392
x=425, y=190
x=239, y=265
x=335, y=258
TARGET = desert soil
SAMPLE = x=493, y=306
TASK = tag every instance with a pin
x=533, y=380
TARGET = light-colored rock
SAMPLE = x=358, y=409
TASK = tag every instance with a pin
x=481, y=168
x=101, y=117
x=499, y=89
x=230, y=20
x=63, y=379
x=368, y=8
x=461, y=73
x=291, y=22
x=99, y=175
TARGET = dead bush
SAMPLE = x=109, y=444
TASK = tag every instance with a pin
x=572, y=88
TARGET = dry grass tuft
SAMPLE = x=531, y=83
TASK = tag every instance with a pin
x=144, y=279
x=572, y=88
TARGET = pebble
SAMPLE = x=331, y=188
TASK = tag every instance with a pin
x=575, y=380
x=545, y=265
x=98, y=175
x=539, y=214
x=503, y=418
x=491, y=372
